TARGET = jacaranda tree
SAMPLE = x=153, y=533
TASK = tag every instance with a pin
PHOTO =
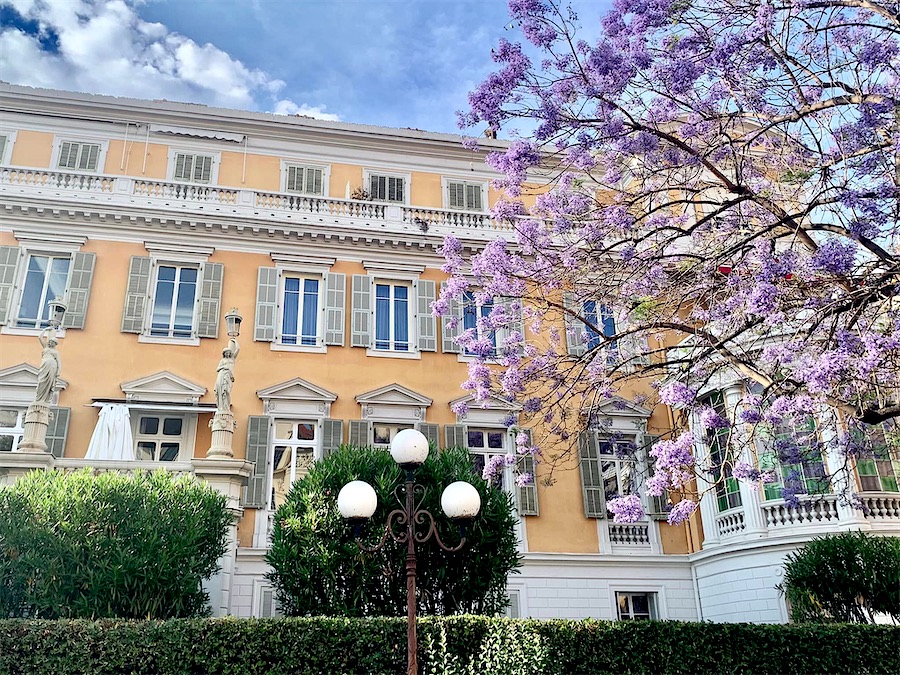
x=723, y=178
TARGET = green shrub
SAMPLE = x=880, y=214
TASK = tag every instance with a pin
x=460, y=645
x=846, y=577
x=79, y=545
x=319, y=570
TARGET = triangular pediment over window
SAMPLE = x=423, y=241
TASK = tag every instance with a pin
x=163, y=387
x=297, y=397
x=18, y=384
x=394, y=394
x=620, y=407
x=492, y=403
x=493, y=412
x=617, y=415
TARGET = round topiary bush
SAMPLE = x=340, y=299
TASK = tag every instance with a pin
x=80, y=545
x=317, y=568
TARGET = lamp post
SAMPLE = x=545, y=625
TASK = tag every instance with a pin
x=460, y=501
x=222, y=423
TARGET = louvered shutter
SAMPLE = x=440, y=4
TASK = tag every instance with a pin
x=658, y=505
x=395, y=189
x=136, y=295
x=266, y=603
x=67, y=155
x=202, y=168
x=473, y=198
x=359, y=433
x=9, y=264
x=182, y=166
x=527, y=495
x=455, y=436
x=79, y=289
x=335, y=292
x=314, y=181
x=574, y=327
x=448, y=333
x=266, y=304
x=57, y=431
x=431, y=432
x=591, y=475
x=3, y=141
x=210, y=300
x=456, y=198
x=292, y=184
x=427, y=322
x=361, y=317
x=377, y=187
x=258, y=453
x=90, y=154
x=332, y=435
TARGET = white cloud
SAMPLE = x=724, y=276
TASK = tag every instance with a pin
x=288, y=107
x=106, y=48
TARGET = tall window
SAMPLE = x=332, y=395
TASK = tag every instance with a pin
x=392, y=317
x=294, y=452
x=616, y=467
x=12, y=427
x=721, y=459
x=797, y=455
x=45, y=280
x=483, y=445
x=472, y=312
x=387, y=188
x=84, y=156
x=305, y=179
x=600, y=316
x=174, y=298
x=193, y=168
x=879, y=465
x=300, y=311
x=159, y=437
x=463, y=195
x=383, y=433
x=635, y=606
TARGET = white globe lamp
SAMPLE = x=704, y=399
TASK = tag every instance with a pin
x=409, y=448
x=357, y=501
x=460, y=501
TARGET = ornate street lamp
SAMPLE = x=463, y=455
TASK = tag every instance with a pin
x=233, y=323
x=460, y=501
x=57, y=311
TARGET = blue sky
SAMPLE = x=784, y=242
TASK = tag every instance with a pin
x=398, y=63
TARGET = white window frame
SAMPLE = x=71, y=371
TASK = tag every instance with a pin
x=213, y=171
x=286, y=164
x=186, y=440
x=407, y=183
x=85, y=140
x=411, y=282
x=507, y=483
x=20, y=288
x=395, y=428
x=445, y=191
x=6, y=154
x=315, y=445
x=147, y=335
x=303, y=272
x=656, y=596
x=604, y=436
x=18, y=431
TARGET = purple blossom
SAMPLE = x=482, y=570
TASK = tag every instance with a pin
x=676, y=394
x=524, y=479
x=627, y=509
x=493, y=468
x=461, y=408
x=710, y=419
x=834, y=257
x=681, y=511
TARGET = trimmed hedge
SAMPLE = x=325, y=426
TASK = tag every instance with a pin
x=447, y=646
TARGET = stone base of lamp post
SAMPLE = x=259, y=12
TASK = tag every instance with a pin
x=37, y=419
x=223, y=426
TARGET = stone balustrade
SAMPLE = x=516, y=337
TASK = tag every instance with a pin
x=815, y=510
x=730, y=523
x=880, y=505
x=630, y=534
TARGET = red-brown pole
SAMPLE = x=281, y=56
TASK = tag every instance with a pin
x=412, y=667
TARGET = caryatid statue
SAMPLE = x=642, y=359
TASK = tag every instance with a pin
x=225, y=376
x=50, y=366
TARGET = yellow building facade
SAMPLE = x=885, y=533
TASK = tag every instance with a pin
x=154, y=219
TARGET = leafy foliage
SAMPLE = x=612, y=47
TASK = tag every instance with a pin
x=319, y=570
x=461, y=645
x=845, y=577
x=79, y=545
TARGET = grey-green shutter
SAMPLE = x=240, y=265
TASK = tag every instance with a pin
x=361, y=318
x=313, y=182
x=359, y=433
x=257, y=452
x=332, y=435
x=574, y=327
x=266, y=304
x=456, y=198
x=335, y=292
x=79, y=291
x=202, y=168
x=527, y=495
x=136, y=295
x=9, y=264
x=3, y=141
x=291, y=183
x=448, y=333
x=210, y=300
x=90, y=155
x=431, y=432
x=57, y=431
x=455, y=436
x=658, y=510
x=591, y=475
x=427, y=323
x=180, y=173
x=68, y=156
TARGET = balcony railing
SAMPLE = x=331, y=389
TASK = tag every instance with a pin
x=815, y=511
x=257, y=204
x=629, y=535
x=879, y=505
x=730, y=523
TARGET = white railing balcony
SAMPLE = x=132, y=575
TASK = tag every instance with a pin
x=320, y=205
x=426, y=218
x=629, y=536
x=729, y=523
x=880, y=505
x=63, y=180
x=812, y=511
x=184, y=192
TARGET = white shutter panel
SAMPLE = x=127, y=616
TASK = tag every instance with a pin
x=448, y=334
x=67, y=155
x=332, y=435
x=527, y=495
x=257, y=452
x=455, y=436
x=57, y=431
x=202, y=168
x=591, y=475
x=430, y=431
x=290, y=183
x=335, y=292
x=314, y=181
x=79, y=290
x=574, y=327
x=361, y=314
x=9, y=265
x=136, y=295
x=210, y=300
x=359, y=433
x=473, y=197
x=426, y=319
x=455, y=198
x=182, y=168
x=266, y=304
x=90, y=154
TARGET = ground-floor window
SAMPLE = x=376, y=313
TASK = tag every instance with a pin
x=294, y=453
x=635, y=606
x=12, y=426
x=485, y=444
x=383, y=432
x=159, y=437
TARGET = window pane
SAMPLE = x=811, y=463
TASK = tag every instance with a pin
x=401, y=318
x=6, y=443
x=56, y=284
x=306, y=432
x=640, y=604
x=33, y=292
x=172, y=426
x=146, y=450
x=284, y=430
x=382, y=316
x=495, y=440
x=184, y=310
x=162, y=302
x=310, y=310
x=168, y=452
x=381, y=435
x=290, y=311
x=8, y=417
x=624, y=609
x=476, y=439
x=148, y=425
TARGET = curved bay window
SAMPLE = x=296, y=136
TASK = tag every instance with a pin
x=721, y=459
